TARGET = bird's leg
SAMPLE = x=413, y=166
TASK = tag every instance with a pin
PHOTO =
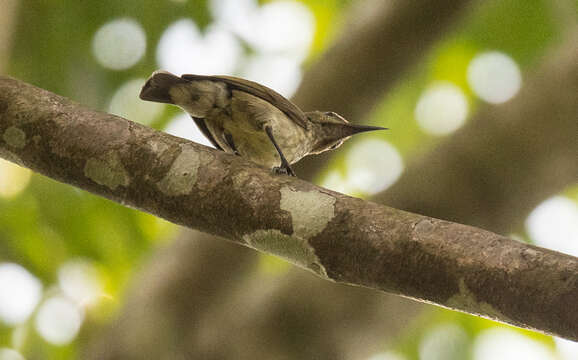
x=285, y=168
x=231, y=143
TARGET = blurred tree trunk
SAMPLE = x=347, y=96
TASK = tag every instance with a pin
x=174, y=298
x=507, y=159
x=382, y=40
x=8, y=17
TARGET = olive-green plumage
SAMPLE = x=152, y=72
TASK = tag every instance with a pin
x=242, y=117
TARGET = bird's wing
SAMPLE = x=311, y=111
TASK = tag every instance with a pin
x=203, y=127
x=260, y=91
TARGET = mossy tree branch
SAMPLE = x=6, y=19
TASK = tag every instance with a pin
x=338, y=237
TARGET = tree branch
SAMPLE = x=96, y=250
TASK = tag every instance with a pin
x=389, y=30
x=369, y=319
x=337, y=237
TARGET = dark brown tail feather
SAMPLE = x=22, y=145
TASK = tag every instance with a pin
x=158, y=85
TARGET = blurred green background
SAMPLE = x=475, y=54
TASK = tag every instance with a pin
x=66, y=256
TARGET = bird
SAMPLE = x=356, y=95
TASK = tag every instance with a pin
x=245, y=118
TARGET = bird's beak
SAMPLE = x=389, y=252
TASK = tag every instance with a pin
x=352, y=129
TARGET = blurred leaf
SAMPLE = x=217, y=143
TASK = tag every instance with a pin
x=522, y=29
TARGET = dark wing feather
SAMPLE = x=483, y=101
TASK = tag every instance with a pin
x=260, y=91
x=203, y=127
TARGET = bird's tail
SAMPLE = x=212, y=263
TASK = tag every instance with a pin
x=158, y=85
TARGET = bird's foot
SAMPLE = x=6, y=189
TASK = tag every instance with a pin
x=283, y=170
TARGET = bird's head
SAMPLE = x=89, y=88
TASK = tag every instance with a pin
x=331, y=130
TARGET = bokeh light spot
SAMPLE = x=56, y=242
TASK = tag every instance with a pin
x=10, y=354
x=277, y=72
x=441, y=109
x=567, y=349
x=285, y=27
x=372, y=166
x=20, y=292
x=444, y=342
x=13, y=179
x=494, y=77
x=183, y=126
x=184, y=50
x=499, y=343
x=554, y=224
x=334, y=181
x=126, y=103
x=235, y=15
x=282, y=27
x=119, y=44
x=80, y=281
x=58, y=320
x=388, y=355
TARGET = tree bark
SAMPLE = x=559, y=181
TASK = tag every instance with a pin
x=335, y=236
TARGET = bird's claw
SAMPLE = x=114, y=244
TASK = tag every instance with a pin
x=283, y=171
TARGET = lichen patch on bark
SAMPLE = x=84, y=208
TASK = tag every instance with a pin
x=466, y=300
x=310, y=211
x=294, y=249
x=424, y=226
x=107, y=170
x=15, y=137
x=182, y=176
x=157, y=146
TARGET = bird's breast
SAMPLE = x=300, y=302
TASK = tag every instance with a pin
x=253, y=143
x=245, y=120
